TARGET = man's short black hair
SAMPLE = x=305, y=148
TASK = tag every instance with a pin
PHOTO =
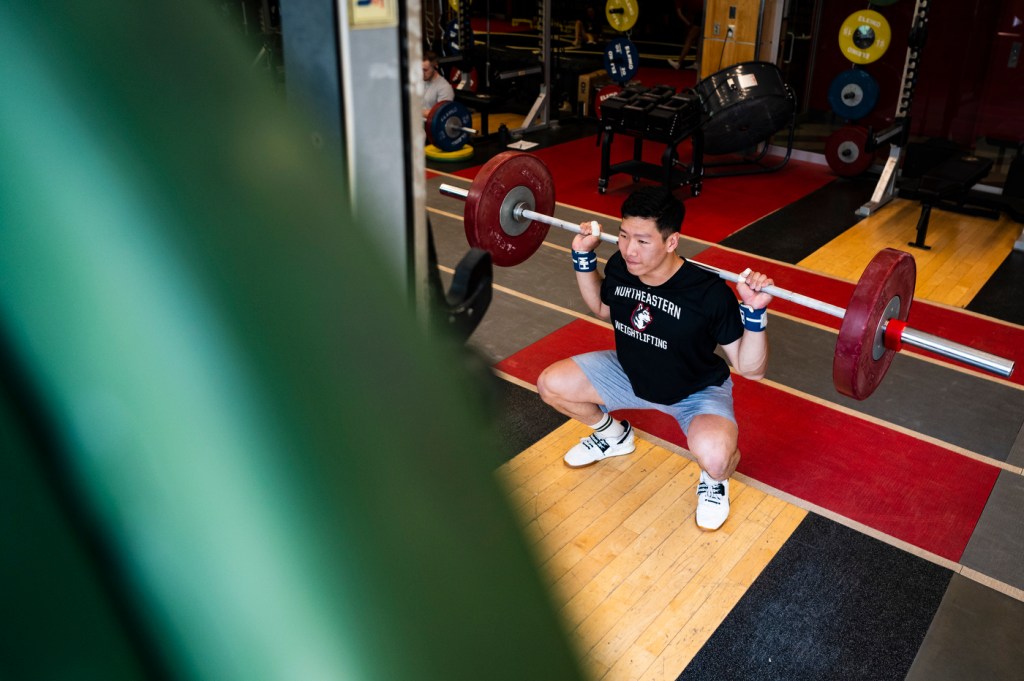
x=658, y=204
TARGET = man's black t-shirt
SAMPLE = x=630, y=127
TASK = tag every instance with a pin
x=666, y=335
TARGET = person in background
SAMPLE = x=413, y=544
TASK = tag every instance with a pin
x=436, y=87
x=691, y=13
x=587, y=28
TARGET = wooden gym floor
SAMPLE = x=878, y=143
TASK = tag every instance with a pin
x=964, y=253
x=868, y=540
x=641, y=584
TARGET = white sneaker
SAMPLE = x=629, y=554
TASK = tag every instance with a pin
x=593, y=449
x=712, y=502
x=674, y=63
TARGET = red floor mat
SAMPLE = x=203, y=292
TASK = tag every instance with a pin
x=726, y=205
x=912, y=490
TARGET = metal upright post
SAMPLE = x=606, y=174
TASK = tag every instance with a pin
x=541, y=109
x=886, y=186
x=357, y=66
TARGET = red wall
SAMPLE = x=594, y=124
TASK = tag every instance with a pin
x=958, y=95
x=1001, y=114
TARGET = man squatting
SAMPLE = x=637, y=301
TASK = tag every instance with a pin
x=669, y=317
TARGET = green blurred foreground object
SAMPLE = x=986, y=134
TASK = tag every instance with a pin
x=226, y=452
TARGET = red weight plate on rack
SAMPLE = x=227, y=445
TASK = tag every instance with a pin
x=844, y=151
x=604, y=93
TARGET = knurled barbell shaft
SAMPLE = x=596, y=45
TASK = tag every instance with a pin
x=919, y=339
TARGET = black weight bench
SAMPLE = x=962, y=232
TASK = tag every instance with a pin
x=947, y=186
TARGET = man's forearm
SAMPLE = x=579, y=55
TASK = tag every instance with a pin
x=590, y=288
x=752, y=359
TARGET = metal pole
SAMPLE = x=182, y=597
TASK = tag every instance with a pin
x=963, y=353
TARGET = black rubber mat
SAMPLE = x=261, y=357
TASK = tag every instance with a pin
x=978, y=633
x=794, y=232
x=1000, y=296
x=832, y=604
x=524, y=419
x=997, y=545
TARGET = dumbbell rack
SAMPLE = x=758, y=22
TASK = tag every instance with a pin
x=670, y=171
x=658, y=115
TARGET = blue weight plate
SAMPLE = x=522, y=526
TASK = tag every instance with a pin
x=621, y=59
x=452, y=44
x=853, y=94
x=447, y=124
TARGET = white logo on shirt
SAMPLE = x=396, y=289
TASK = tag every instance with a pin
x=641, y=317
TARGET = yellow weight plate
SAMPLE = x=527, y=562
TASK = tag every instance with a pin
x=463, y=153
x=621, y=14
x=864, y=36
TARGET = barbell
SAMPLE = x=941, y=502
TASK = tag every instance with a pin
x=508, y=210
x=449, y=125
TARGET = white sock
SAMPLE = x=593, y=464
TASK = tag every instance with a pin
x=608, y=428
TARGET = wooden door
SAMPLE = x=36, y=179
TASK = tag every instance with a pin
x=736, y=31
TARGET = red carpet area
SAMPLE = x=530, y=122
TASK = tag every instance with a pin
x=726, y=205
x=907, y=488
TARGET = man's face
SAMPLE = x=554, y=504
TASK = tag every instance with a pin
x=428, y=70
x=642, y=246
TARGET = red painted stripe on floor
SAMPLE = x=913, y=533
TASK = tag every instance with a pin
x=906, y=488
x=982, y=333
x=726, y=205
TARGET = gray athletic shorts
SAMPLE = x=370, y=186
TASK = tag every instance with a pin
x=605, y=373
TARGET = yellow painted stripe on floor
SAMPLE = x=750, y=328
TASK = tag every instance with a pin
x=639, y=585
